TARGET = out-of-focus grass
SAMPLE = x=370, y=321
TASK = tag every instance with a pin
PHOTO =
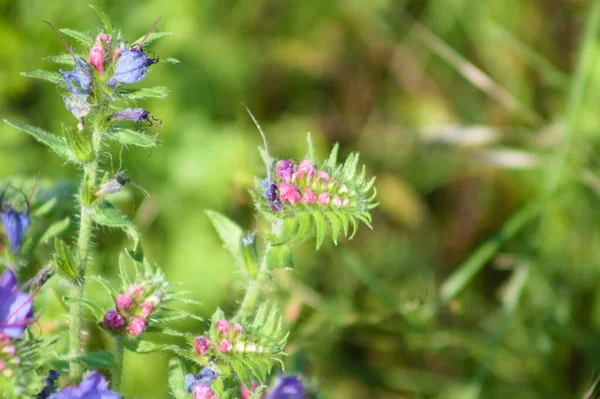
x=458, y=105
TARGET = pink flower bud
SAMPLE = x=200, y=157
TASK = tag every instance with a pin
x=246, y=393
x=306, y=167
x=2, y=365
x=225, y=346
x=251, y=347
x=117, y=53
x=323, y=176
x=337, y=201
x=285, y=170
x=323, y=199
x=123, y=303
x=346, y=202
x=97, y=53
x=238, y=328
x=154, y=300
x=112, y=320
x=136, y=291
x=239, y=347
x=201, y=391
x=137, y=326
x=288, y=192
x=309, y=197
x=147, y=308
x=10, y=350
x=201, y=345
x=223, y=327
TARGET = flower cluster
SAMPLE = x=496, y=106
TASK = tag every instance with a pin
x=231, y=337
x=199, y=385
x=132, y=310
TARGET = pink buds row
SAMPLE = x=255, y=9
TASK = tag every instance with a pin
x=131, y=310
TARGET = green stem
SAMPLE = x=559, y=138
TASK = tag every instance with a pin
x=86, y=226
x=117, y=371
x=254, y=289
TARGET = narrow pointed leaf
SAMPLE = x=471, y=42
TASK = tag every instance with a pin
x=56, y=144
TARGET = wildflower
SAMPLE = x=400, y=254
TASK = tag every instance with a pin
x=308, y=197
x=323, y=199
x=97, y=52
x=131, y=67
x=79, y=80
x=337, y=201
x=287, y=387
x=137, y=326
x=285, y=170
x=271, y=195
x=225, y=346
x=135, y=291
x=113, y=320
x=323, y=176
x=137, y=115
x=15, y=224
x=123, y=303
x=201, y=345
x=206, y=377
x=93, y=386
x=223, y=327
x=16, y=307
x=238, y=328
x=289, y=193
x=78, y=106
x=306, y=168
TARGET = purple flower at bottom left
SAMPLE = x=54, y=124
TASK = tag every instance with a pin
x=93, y=386
x=16, y=307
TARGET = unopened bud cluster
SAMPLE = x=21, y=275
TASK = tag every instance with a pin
x=231, y=337
x=132, y=311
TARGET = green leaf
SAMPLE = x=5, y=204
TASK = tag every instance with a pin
x=45, y=208
x=52, y=77
x=144, y=92
x=55, y=229
x=104, y=18
x=279, y=256
x=240, y=370
x=152, y=37
x=82, y=37
x=97, y=360
x=311, y=148
x=107, y=215
x=270, y=326
x=345, y=219
x=169, y=60
x=143, y=347
x=336, y=225
x=177, y=379
x=321, y=225
x=283, y=230
x=259, y=319
x=123, y=274
x=61, y=58
x=132, y=137
x=305, y=224
x=331, y=162
x=249, y=255
x=95, y=309
x=56, y=144
x=230, y=233
x=79, y=144
x=64, y=264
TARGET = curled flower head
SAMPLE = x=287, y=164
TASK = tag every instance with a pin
x=113, y=320
x=285, y=170
x=201, y=345
x=137, y=115
x=270, y=193
x=16, y=307
x=137, y=326
x=287, y=387
x=93, y=386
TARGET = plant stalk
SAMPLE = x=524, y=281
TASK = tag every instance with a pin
x=117, y=371
x=254, y=289
x=86, y=226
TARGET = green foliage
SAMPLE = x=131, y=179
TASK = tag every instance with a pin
x=132, y=137
x=229, y=232
x=65, y=264
x=56, y=144
x=177, y=379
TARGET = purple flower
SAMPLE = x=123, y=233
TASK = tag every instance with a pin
x=79, y=80
x=49, y=387
x=205, y=377
x=15, y=224
x=271, y=195
x=93, y=386
x=137, y=115
x=285, y=170
x=287, y=387
x=78, y=106
x=113, y=320
x=16, y=307
x=131, y=67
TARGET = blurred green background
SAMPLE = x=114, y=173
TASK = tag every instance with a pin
x=458, y=106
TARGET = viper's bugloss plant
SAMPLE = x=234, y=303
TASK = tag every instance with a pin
x=234, y=355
